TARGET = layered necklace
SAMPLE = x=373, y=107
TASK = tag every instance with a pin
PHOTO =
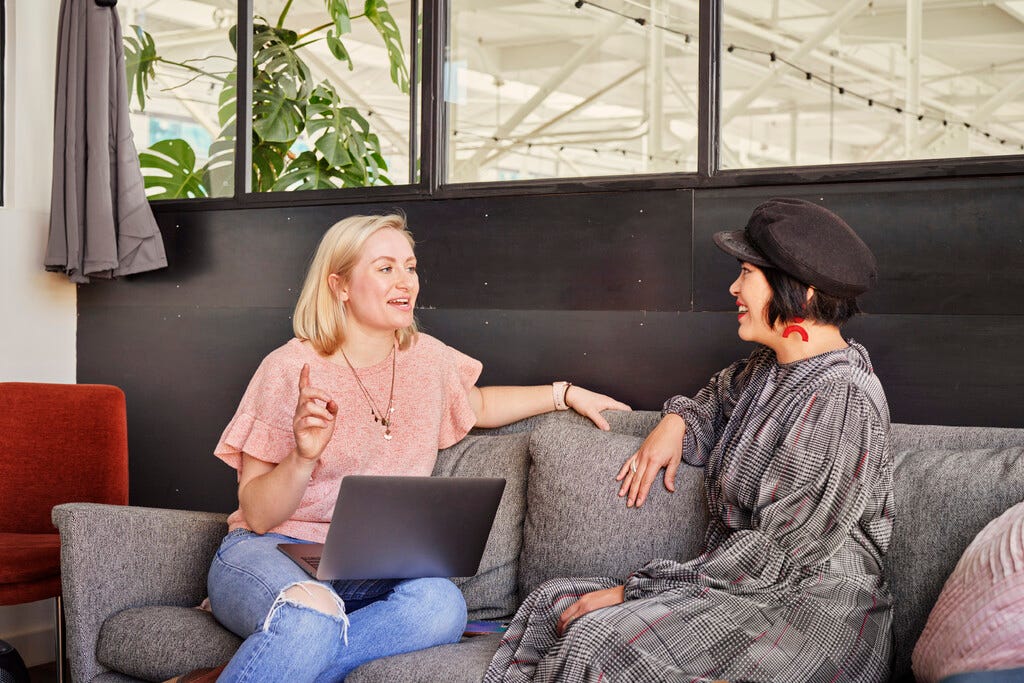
x=384, y=418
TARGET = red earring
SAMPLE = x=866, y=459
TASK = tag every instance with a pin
x=796, y=328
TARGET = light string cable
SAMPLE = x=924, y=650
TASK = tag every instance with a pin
x=809, y=75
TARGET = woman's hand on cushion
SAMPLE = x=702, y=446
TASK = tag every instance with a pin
x=590, y=602
x=313, y=424
x=663, y=447
x=589, y=404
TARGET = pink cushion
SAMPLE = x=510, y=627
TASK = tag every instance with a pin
x=978, y=621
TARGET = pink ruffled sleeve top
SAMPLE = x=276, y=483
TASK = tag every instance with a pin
x=431, y=412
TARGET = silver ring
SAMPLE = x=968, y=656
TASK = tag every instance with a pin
x=632, y=466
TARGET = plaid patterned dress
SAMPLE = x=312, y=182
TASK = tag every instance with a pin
x=790, y=586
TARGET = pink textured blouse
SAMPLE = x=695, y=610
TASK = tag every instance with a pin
x=978, y=621
x=432, y=411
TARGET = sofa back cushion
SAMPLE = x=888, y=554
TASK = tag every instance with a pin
x=577, y=525
x=943, y=499
x=492, y=592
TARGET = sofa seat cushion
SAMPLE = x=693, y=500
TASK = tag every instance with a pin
x=577, y=525
x=462, y=662
x=157, y=643
x=978, y=621
x=491, y=593
x=943, y=499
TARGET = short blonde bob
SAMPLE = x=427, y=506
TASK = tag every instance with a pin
x=319, y=317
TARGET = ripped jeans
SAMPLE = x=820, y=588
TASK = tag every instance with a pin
x=287, y=641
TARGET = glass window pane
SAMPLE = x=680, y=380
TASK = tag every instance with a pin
x=855, y=81
x=180, y=69
x=544, y=89
x=330, y=94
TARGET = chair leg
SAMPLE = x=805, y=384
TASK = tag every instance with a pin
x=60, y=642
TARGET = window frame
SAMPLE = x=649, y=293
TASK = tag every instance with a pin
x=427, y=94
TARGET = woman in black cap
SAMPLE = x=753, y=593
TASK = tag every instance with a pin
x=798, y=479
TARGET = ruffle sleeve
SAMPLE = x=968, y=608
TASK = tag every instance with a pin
x=459, y=375
x=262, y=425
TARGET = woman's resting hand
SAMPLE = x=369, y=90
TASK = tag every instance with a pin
x=588, y=603
x=589, y=404
x=313, y=423
x=663, y=447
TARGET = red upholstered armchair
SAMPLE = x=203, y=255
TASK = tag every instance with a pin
x=59, y=443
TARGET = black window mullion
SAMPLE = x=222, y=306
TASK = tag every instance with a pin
x=433, y=120
x=709, y=88
x=414, y=89
x=243, y=102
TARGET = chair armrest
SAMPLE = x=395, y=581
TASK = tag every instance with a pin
x=113, y=557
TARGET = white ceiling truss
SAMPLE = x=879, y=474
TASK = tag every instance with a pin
x=541, y=88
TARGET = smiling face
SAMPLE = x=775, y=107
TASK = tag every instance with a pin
x=753, y=294
x=380, y=295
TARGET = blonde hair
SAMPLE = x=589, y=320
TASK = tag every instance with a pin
x=319, y=318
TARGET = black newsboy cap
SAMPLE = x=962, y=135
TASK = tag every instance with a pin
x=806, y=241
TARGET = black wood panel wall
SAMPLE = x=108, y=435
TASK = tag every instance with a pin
x=620, y=291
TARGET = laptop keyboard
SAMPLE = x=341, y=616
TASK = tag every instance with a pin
x=313, y=561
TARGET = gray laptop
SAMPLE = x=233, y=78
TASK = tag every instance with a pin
x=403, y=528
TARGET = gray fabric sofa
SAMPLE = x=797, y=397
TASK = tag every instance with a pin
x=132, y=576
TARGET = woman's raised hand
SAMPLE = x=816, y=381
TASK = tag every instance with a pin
x=663, y=447
x=589, y=404
x=313, y=423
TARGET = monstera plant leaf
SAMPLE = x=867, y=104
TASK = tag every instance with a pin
x=380, y=16
x=343, y=137
x=268, y=159
x=272, y=55
x=170, y=165
x=139, y=57
x=338, y=9
x=280, y=86
x=308, y=172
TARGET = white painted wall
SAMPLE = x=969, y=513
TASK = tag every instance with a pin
x=37, y=309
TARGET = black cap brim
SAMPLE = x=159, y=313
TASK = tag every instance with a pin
x=735, y=243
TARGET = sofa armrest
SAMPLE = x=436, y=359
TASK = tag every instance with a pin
x=114, y=557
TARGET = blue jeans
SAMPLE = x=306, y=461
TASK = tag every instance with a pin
x=992, y=676
x=289, y=641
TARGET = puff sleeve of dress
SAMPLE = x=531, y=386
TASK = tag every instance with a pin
x=706, y=413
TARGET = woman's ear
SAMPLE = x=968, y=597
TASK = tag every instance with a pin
x=338, y=287
x=810, y=293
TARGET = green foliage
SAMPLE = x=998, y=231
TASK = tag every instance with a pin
x=177, y=176
x=139, y=58
x=288, y=110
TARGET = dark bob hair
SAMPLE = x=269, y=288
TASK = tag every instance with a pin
x=789, y=301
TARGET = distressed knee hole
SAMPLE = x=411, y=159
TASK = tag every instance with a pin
x=315, y=595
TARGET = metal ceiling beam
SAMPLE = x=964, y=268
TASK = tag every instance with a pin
x=468, y=168
x=809, y=44
x=591, y=99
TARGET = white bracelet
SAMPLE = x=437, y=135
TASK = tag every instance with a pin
x=558, y=392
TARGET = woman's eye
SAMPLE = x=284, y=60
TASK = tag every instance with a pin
x=411, y=269
x=385, y=269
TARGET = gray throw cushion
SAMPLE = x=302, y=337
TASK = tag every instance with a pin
x=156, y=643
x=463, y=662
x=943, y=499
x=576, y=524
x=492, y=592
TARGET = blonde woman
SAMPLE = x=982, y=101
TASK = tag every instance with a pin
x=357, y=391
